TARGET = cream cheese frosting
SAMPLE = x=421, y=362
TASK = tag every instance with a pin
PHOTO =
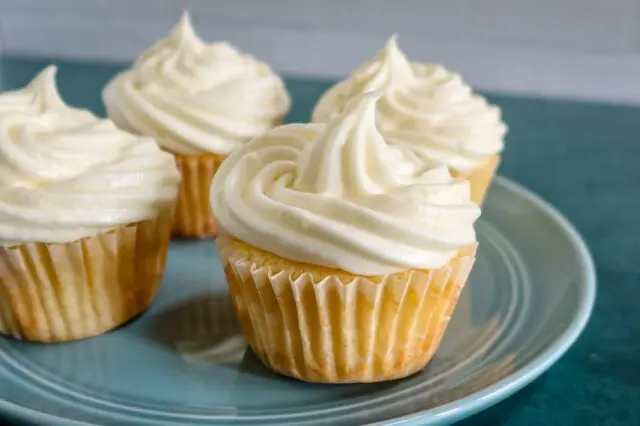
x=338, y=195
x=66, y=174
x=425, y=107
x=194, y=97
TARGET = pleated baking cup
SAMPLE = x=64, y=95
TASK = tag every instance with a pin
x=480, y=178
x=70, y=291
x=326, y=325
x=193, y=218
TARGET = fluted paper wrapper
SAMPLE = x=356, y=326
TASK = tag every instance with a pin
x=70, y=291
x=193, y=218
x=480, y=178
x=320, y=326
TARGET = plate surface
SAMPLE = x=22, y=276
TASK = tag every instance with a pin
x=184, y=362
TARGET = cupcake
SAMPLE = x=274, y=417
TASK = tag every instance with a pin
x=85, y=218
x=200, y=102
x=345, y=255
x=429, y=109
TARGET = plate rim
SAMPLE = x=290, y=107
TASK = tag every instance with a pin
x=476, y=401
x=502, y=389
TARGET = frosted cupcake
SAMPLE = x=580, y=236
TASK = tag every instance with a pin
x=345, y=256
x=85, y=218
x=429, y=109
x=201, y=102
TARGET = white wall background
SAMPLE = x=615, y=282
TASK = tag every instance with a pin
x=586, y=49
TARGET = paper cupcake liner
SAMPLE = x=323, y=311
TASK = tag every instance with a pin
x=480, y=178
x=76, y=290
x=193, y=216
x=325, y=325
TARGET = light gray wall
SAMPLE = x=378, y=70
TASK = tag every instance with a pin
x=587, y=49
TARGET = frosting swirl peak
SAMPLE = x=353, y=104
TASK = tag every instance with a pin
x=194, y=97
x=424, y=107
x=65, y=174
x=338, y=195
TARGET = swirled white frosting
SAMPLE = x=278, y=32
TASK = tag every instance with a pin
x=425, y=107
x=338, y=195
x=65, y=174
x=194, y=97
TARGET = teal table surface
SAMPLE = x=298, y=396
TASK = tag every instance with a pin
x=584, y=158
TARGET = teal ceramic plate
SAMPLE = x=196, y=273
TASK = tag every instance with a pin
x=184, y=362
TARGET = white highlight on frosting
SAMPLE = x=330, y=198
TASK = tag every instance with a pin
x=66, y=174
x=425, y=107
x=338, y=195
x=195, y=97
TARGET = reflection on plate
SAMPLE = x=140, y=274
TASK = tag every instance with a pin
x=184, y=362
